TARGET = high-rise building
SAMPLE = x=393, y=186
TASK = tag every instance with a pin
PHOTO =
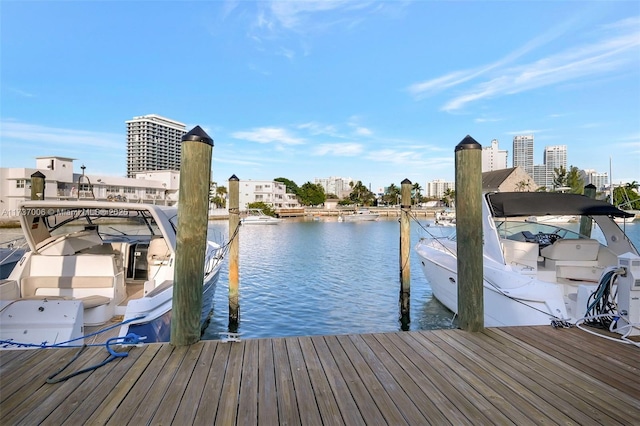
x=337, y=186
x=437, y=188
x=598, y=179
x=494, y=158
x=523, y=153
x=153, y=143
x=555, y=157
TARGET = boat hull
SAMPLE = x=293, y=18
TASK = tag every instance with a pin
x=526, y=302
x=155, y=324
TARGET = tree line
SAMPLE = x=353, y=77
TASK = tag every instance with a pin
x=313, y=194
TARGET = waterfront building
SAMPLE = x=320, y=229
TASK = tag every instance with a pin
x=597, y=179
x=437, y=188
x=523, y=152
x=540, y=176
x=153, y=143
x=338, y=186
x=555, y=157
x=272, y=193
x=494, y=158
x=62, y=183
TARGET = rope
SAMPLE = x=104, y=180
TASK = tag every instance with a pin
x=129, y=339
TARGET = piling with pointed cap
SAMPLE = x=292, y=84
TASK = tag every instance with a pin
x=468, y=174
x=191, y=239
x=37, y=186
x=234, y=250
x=586, y=223
x=405, y=263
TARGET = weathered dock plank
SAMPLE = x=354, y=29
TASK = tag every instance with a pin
x=194, y=394
x=513, y=375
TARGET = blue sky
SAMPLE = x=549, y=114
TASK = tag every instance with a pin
x=375, y=91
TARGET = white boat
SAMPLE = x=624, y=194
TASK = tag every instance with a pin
x=90, y=265
x=535, y=273
x=553, y=219
x=361, y=215
x=445, y=218
x=626, y=220
x=257, y=217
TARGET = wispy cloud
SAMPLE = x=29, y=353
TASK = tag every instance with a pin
x=617, y=48
x=315, y=128
x=303, y=15
x=269, y=135
x=487, y=120
x=14, y=131
x=397, y=157
x=363, y=131
x=276, y=20
x=339, y=149
x=20, y=92
x=525, y=132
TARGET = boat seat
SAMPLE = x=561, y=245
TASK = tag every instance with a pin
x=572, y=250
x=75, y=276
x=521, y=254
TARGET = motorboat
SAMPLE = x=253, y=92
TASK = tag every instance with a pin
x=537, y=273
x=11, y=252
x=257, y=217
x=445, y=218
x=553, y=219
x=361, y=215
x=91, y=265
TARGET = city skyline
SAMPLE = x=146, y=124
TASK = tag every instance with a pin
x=374, y=91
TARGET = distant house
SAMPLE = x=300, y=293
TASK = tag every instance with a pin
x=514, y=179
x=331, y=203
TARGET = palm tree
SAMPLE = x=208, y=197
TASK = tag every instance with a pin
x=391, y=194
x=449, y=197
x=417, y=189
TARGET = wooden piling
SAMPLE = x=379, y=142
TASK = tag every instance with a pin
x=37, y=186
x=191, y=239
x=586, y=223
x=405, y=247
x=468, y=175
x=234, y=250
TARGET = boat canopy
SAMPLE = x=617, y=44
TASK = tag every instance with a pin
x=510, y=204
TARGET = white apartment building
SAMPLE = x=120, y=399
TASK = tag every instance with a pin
x=153, y=143
x=494, y=158
x=272, y=193
x=437, y=188
x=523, y=153
x=335, y=185
x=555, y=157
x=61, y=183
x=597, y=179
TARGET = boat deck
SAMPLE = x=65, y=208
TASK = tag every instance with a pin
x=511, y=375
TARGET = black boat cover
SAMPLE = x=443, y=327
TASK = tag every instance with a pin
x=510, y=204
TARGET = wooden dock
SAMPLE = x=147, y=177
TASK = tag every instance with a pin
x=511, y=375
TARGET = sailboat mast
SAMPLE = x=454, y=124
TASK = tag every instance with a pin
x=610, y=183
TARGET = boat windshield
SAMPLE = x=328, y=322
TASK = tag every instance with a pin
x=532, y=231
x=108, y=222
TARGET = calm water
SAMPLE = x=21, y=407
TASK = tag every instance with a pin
x=303, y=278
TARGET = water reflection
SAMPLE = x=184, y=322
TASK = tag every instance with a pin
x=323, y=277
